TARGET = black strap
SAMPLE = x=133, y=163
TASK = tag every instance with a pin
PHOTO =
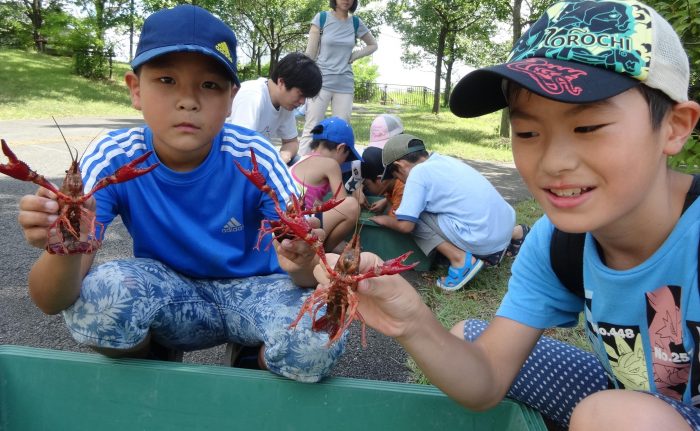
x=566, y=256
x=693, y=192
x=566, y=249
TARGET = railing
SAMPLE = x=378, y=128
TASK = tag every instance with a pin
x=393, y=94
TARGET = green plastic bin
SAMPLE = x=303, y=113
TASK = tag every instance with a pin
x=388, y=244
x=54, y=390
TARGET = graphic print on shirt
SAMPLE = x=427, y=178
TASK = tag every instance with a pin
x=232, y=225
x=694, y=328
x=625, y=352
x=592, y=333
x=670, y=361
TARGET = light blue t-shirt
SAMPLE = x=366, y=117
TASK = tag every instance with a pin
x=643, y=323
x=337, y=43
x=203, y=223
x=470, y=211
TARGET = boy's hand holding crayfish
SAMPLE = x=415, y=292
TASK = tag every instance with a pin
x=298, y=258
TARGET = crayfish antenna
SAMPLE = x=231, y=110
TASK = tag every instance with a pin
x=74, y=159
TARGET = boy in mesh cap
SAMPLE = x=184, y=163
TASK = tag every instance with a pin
x=597, y=97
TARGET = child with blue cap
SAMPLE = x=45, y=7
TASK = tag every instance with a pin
x=597, y=93
x=318, y=174
x=195, y=280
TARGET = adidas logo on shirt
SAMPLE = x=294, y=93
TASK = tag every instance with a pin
x=232, y=226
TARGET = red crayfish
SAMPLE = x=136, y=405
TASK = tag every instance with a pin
x=63, y=236
x=339, y=294
x=292, y=223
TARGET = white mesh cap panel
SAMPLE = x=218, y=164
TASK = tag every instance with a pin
x=669, y=70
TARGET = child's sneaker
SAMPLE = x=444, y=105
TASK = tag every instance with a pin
x=458, y=277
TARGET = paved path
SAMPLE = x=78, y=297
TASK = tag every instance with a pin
x=39, y=143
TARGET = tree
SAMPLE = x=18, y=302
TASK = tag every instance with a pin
x=279, y=24
x=440, y=28
x=34, y=11
x=534, y=10
x=104, y=15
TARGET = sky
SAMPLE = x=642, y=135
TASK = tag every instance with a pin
x=391, y=71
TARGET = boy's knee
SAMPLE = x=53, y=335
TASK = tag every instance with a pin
x=309, y=365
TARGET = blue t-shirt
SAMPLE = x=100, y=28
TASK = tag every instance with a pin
x=203, y=223
x=643, y=323
x=470, y=211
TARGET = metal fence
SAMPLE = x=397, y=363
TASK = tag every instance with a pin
x=393, y=94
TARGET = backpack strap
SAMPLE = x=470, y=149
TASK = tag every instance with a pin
x=322, y=22
x=693, y=192
x=566, y=258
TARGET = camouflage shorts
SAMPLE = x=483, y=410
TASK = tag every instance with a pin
x=122, y=301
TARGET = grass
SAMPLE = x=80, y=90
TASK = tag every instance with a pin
x=39, y=86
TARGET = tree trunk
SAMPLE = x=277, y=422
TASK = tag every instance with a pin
x=34, y=13
x=274, y=58
x=449, y=66
x=517, y=32
x=100, y=20
x=438, y=69
x=131, y=30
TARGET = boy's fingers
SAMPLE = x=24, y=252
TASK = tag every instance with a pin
x=36, y=219
x=38, y=203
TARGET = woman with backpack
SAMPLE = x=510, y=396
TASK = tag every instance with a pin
x=331, y=43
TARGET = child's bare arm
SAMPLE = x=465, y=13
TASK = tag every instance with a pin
x=335, y=176
x=54, y=281
x=403, y=226
x=378, y=206
x=477, y=374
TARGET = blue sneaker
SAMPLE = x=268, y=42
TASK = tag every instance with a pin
x=458, y=277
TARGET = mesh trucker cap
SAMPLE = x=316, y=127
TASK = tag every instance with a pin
x=335, y=129
x=187, y=28
x=583, y=52
x=384, y=127
x=397, y=147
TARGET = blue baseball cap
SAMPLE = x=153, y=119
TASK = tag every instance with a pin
x=335, y=129
x=187, y=28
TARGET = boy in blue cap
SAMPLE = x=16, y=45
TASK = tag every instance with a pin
x=597, y=97
x=196, y=280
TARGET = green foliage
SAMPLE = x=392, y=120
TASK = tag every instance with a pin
x=250, y=71
x=688, y=160
x=365, y=73
x=15, y=28
x=89, y=53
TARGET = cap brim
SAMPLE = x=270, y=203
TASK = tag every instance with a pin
x=149, y=55
x=388, y=172
x=354, y=152
x=481, y=92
